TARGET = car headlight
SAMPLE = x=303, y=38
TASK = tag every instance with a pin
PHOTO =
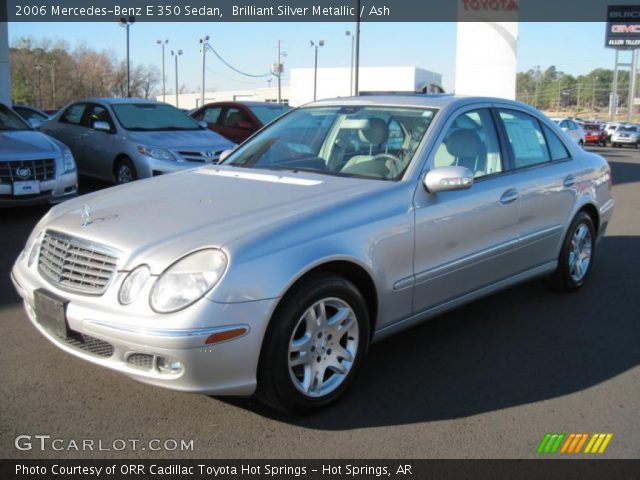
x=68, y=163
x=157, y=153
x=133, y=284
x=188, y=280
x=34, y=250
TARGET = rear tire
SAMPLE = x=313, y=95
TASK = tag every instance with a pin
x=124, y=171
x=576, y=255
x=309, y=358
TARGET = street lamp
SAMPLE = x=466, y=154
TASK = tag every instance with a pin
x=353, y=43
x=38, y=68
x=593, y=98
x=203, y=42
x=126, y=23
x=162, y=44
x=315, y=68
x=175, y=55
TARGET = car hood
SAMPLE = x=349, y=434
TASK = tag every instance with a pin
x=26, y=145
x=165, y=217
x=183, y=139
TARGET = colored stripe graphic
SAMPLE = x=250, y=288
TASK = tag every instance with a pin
x=573, y=443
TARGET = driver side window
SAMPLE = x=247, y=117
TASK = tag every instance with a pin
x=472, y=142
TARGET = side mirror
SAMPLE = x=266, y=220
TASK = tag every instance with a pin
x=444, y=179
x=34, y=122
x=565, y=129
x=203, y=124
x=102, y=126
x=224, y=155
x=244, y=124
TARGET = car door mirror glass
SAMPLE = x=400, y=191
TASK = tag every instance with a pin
x=34, y=122
x=203, y=124
x=101, y=126
x=444, y=179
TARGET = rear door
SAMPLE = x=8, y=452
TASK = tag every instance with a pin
x=544, y=171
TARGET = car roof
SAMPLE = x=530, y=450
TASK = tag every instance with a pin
x=248, y=103
x=117, y=101
x=412, y=100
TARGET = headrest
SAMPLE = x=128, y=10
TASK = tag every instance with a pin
x=463, y=144
x=376, y=133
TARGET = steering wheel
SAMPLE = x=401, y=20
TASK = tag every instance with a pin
x=397, y=163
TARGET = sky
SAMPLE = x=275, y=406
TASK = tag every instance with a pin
x=574, y=48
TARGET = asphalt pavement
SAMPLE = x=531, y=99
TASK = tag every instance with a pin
x=485, y=381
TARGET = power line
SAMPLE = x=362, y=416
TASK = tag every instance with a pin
x=234, y=68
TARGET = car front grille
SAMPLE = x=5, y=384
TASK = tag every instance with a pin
x=27, y=170
x=76, y=265
x=89, y=344
x=201, y=157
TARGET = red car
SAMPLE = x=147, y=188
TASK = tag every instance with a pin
x=237, y=121
x=593, y=133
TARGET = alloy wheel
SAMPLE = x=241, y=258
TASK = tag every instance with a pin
x=580, y=253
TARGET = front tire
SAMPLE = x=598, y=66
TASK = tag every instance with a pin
x=124, y=171
x=314, y=345
x=576, y=256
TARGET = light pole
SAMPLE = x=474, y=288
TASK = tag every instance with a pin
x=593, y=98
x=356, y=86
x=175, y=55
x=126, y=23
x=353, y=41
x=315, y=68
x=203, y=43
x=53, y=84
x=162, y=44
x=38, y=68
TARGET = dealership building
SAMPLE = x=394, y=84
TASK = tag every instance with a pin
x=330, y=83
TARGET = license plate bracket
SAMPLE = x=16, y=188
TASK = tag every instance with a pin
x=51, y=312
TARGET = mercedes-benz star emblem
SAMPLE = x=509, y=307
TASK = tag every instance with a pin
x=89, y=219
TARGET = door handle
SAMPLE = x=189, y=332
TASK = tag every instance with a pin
x=569, y=181
x=509, y=196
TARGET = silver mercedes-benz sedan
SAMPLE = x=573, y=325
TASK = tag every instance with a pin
x=124, y=139
x=340, y=223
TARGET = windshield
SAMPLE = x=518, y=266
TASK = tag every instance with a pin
x=10, y=120
x=629, y=128
x=267, y=113
x=354, y=141
x=153, y=117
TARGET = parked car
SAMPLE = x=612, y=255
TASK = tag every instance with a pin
x=626, y=135
x=34, y=168
x=572, y=128
x=32, y=116
x=610, y=128
x=595, y=133
x=123, y=139
x=237, y=121
x=271, y=273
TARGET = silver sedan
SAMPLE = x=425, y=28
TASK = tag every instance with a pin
x=341, y=223
x=124, y=139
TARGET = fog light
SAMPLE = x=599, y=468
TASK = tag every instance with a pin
x=168, y=365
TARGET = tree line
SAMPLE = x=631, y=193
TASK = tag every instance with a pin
x=48, y=74
x=552, y=89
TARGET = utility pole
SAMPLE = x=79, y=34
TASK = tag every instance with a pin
x=53, y=84
x=162, y=44
x=357, y=66
x=593, y=94
x=277, y=69
x=632, y=84
x=559, y=88
x=614, y=97
x=578, y=100
x=176, y=54
x=203, y=43
x=353, y=40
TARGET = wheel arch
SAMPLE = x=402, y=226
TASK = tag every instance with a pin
x=591, y=210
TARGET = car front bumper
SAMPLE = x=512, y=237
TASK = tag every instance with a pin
x=51, y=191
x=102, y=338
